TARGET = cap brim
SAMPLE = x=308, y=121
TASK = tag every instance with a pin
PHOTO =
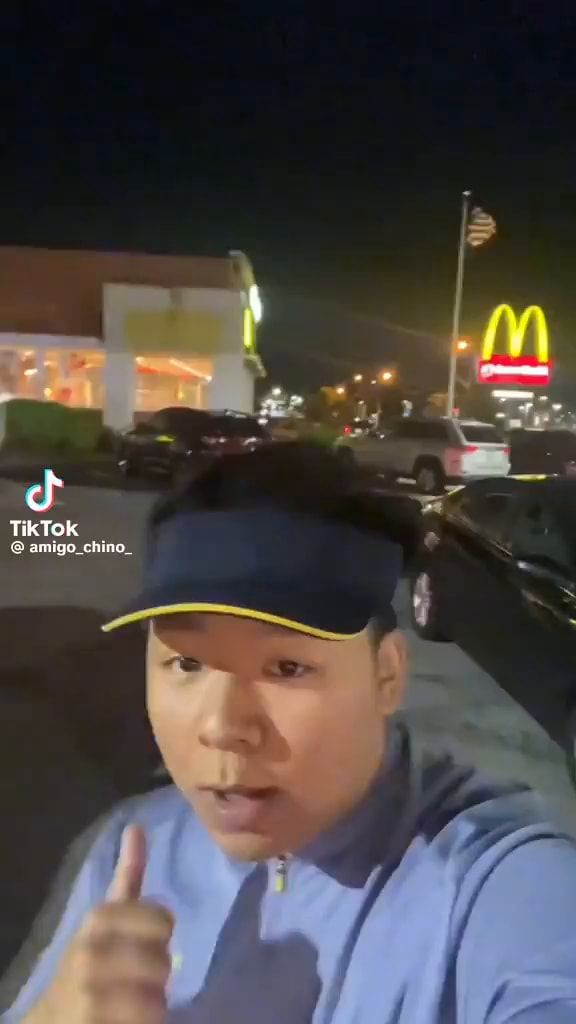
x=326, y=616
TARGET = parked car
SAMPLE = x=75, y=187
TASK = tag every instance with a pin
x=283, y=428
x=433, y=452
x=174, y=438
x=496, y=572
x=543, y=451
x=358, y=428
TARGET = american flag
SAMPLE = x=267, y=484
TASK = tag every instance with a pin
x=481, y=227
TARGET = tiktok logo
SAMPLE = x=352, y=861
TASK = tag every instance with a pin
x=41, y=497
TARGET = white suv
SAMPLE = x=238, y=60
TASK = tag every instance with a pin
x=433, y=452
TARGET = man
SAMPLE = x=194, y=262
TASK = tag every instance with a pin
x=304, y=867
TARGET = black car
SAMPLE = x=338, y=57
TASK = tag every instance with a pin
x=178, y=437
x=543, y=451
x=496, y=572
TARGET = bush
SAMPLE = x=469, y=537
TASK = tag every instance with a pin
x=31, y=424
x=49, y=426
x=108, y=441
x=320, y=433
x=84, y=428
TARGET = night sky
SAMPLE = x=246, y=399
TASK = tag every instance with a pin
x=332, y=149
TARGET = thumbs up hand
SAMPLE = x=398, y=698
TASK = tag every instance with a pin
x=117, y=967
x=126, y=886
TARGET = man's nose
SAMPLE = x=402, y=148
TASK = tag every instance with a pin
x=230, y=717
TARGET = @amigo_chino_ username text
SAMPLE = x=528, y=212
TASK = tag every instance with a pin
x=52, y=529
x=62, y=547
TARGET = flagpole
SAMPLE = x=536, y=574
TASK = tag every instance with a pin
x=457, y=306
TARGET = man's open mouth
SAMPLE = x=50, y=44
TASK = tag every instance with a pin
x=240, y=808
x=228, y=793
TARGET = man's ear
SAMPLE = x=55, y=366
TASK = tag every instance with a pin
x=392, y=670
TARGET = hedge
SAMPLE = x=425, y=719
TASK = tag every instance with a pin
x=321, y=433
x=48, y=425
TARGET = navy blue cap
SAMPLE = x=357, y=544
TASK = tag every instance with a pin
x=319, y=577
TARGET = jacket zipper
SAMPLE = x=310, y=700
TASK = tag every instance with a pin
x=281, y=875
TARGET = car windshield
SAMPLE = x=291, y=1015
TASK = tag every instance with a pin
x=480, y=433
x=237, y=426
x=175, y=420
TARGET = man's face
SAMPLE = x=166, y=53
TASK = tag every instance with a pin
x=271, y=735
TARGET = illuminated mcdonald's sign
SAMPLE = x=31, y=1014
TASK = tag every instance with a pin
x=515, y=367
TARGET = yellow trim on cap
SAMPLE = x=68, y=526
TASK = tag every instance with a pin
x=225, y=609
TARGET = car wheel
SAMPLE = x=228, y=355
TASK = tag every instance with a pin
x=571, y=744
x=183, y=470
x=429, y=476
x=424, y=606
x=127, y=466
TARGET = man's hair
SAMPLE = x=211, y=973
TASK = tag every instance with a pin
x=298, y=477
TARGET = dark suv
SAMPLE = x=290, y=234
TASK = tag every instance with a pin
x=543, y=451
x=175, y=438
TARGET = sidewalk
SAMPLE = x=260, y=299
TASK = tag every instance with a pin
x=82, y=470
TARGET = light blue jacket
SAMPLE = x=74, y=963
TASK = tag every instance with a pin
x=441, y=899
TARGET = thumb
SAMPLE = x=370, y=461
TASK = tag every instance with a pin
x=126, y=884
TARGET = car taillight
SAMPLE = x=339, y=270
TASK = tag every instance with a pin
x=506, y=452
x=471, y=448
x=347, y=430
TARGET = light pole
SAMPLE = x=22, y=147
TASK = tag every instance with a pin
x=464, y=349
x=457, y=305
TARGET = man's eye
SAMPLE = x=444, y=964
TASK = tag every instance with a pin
x=289, y=669
x=183, y=666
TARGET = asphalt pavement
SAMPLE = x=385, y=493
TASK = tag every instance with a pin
x=74, y=735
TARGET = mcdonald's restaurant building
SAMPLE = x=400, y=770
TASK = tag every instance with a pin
x=128, y=333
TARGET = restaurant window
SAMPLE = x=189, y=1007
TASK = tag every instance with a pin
x=74, y=378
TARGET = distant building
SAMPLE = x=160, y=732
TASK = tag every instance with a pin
x=128, y=333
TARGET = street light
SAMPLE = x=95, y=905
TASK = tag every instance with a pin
x=462, y=345
x=340, y=391
x=387, y=376
x=358, y=378
x=374, y=382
